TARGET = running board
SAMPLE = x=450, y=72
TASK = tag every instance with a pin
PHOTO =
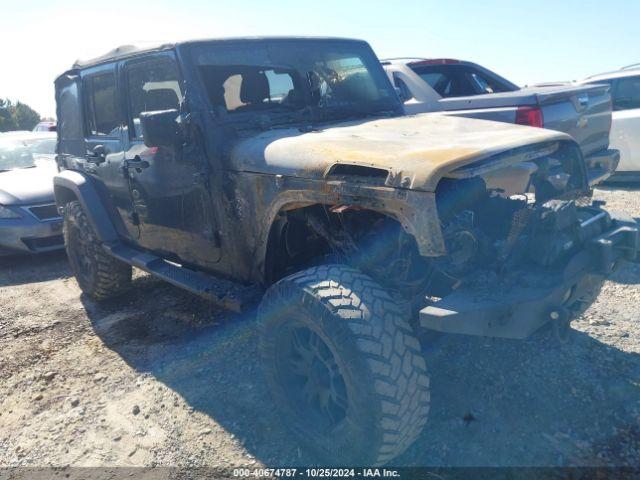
x=228, y=294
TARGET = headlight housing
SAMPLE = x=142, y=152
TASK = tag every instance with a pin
x=8, y=213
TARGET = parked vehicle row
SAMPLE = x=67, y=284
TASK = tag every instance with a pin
x=466, y=89
x=286, y=171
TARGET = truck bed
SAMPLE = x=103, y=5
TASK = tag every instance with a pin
x=582, y=111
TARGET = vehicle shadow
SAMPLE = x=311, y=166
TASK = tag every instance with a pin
x=533, y=402
x=21, y=269
x=613, y=186
x=627, y=274
x=494, y=402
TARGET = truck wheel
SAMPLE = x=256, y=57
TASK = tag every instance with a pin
x=344, y=365
x=99, y=274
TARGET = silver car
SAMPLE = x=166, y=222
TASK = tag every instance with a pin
x=29, y=219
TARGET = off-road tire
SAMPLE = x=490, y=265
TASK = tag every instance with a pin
x=98, y=274
x=376, y=352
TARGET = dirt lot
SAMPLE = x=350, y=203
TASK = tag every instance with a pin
x=159, y=377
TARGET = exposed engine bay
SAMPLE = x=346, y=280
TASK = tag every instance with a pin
x=518, y=224
x=482, y=230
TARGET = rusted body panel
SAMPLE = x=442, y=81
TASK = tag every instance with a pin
x=253, y=202
x=417, y=150
x=286, y=168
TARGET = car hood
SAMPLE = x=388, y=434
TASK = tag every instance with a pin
x=27, y=186
x=417, y=150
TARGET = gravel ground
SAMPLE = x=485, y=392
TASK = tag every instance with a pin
x=159, y=377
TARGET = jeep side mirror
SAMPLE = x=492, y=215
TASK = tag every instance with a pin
x=160, y=128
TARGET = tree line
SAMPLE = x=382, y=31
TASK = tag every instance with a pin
x=17, y=116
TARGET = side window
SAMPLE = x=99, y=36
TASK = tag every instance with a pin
x=627, y=93
x=152, y=85
x=480, y=83
x=405, y=93
x=103, y=116
x=483, y=82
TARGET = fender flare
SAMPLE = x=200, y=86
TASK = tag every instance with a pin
x=69, y=185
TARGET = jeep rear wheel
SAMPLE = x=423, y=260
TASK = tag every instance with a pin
x=98, y=274
x=344, y=365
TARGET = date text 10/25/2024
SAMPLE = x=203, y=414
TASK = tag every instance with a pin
x=315, y=473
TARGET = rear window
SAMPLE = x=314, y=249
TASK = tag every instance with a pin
x=460, y=80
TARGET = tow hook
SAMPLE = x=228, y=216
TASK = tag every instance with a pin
x=561, y=323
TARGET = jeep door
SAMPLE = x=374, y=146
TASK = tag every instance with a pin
x=168, y=188
x=102, y=148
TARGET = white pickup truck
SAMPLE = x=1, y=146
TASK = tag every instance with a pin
x=466, y=89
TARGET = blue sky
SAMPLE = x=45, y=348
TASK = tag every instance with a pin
x=526, y=42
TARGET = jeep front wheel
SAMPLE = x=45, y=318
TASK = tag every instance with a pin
x=344, y=365
x=98, y=274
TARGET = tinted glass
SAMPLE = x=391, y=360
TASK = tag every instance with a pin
x=405, y=93
x=102, y=108
x=153, y=85
x=627, y=93
x=335, y=79
x=460, y=80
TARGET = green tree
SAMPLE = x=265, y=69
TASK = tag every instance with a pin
x=25, y=117
x=6, y=119
x=18, y=116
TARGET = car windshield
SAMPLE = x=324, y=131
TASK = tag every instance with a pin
x=328, y=79
x=22, y=152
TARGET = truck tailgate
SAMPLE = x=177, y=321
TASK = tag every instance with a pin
x=582, y=111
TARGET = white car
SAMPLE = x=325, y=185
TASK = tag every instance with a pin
x=625, y=126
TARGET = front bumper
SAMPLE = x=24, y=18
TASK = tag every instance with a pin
x=29, y=234
x=517, y=310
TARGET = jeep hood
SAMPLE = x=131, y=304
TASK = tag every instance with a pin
x=417, y=150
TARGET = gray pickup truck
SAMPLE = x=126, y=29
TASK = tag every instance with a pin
x=466, y=89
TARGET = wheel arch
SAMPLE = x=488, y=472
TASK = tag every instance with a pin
x=272, y=260
x=70, y=185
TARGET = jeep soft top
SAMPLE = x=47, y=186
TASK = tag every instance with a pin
x=283, y=170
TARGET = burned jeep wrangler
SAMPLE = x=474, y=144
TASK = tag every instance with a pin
x=283, y=171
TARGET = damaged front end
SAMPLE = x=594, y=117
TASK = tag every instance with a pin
x=523, y=244
x=549, y=265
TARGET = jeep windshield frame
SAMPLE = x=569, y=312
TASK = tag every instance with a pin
x=292, y=81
